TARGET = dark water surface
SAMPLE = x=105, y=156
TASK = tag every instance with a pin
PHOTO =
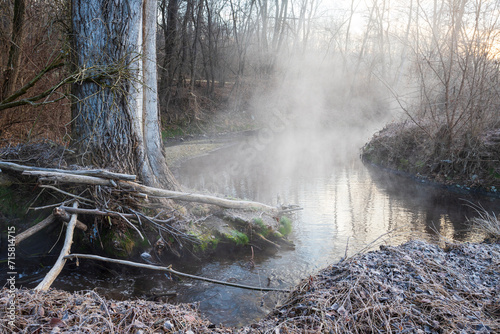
x=345, y=205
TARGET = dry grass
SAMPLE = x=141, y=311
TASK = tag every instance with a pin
x=414, y=288
x=486, y=222
x=469, y=162
x=87, y=312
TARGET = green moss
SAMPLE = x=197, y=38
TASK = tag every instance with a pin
x=285, y=226
x=207, y=242
x=403, y=163
x=239, y=238
x=262, y=228
x=419, y=166
x=13, y=203
x=493, y=173
x=122, y=244
x=171, y=132
x=277, y=235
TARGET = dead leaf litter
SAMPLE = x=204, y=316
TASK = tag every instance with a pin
x=413, y=288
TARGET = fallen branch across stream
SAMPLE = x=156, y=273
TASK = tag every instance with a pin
x=90, y=172
x=172, y=271
x=124, y=182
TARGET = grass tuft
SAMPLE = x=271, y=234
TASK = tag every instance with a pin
x=485, y=221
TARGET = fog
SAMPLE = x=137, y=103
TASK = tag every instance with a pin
x=327, y=76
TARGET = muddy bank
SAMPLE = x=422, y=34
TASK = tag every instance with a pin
x=469, y=165
x=416, y=287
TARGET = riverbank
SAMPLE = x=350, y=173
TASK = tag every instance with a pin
x=468, y=165
x=416, y=287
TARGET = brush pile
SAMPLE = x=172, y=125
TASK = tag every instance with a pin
x=413, y=288
x=86, y=312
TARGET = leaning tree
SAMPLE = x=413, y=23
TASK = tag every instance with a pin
x=116, y=118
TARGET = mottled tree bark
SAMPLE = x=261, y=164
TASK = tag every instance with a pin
x=12, y=71
x=116, y=119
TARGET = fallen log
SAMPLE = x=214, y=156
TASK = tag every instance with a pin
x=199, y=198
x=58, y=266
x=90, y=172
x=124, y=181
x=151, y=191
x=69, y=178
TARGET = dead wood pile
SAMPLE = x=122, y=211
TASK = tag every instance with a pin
x=413, y=288
x=56, y=311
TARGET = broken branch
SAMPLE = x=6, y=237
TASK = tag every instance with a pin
x=34, y=229
x=168, y=269
x=91, y=172
x=58, y=266
x=66, y=217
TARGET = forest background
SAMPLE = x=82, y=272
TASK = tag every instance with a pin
x=430, y=66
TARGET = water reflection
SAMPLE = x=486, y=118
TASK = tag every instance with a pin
x=346, y=207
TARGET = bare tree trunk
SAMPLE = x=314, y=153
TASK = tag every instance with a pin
x=264, y=19
x=194, y=50
x=406, y=43
x=116, y=115
x=170, y=63
x=13, y=64
x=211, y=50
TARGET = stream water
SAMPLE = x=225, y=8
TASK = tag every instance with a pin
x=346, y=206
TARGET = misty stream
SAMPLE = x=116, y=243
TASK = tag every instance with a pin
x=346, y=206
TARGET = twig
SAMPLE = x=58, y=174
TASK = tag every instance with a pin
x=36, y=208
x=289, y=210
x=168, y=269
x=66, y=193
x=132, y=225
x=268, y=241
x=96, y=212
x=103, y=305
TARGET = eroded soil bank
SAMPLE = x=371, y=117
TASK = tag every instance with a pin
x=413, y=288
